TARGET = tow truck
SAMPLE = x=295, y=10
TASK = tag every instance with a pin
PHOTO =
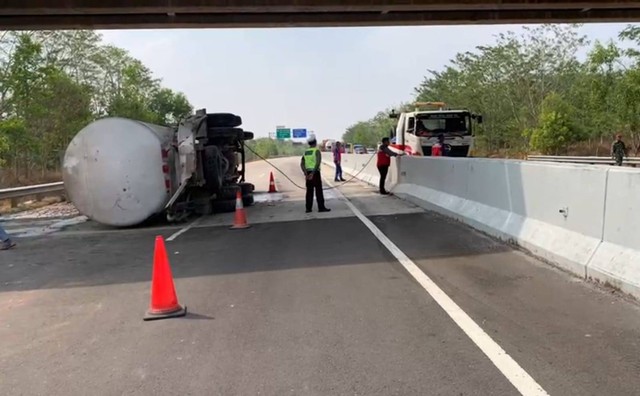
x=417, y=131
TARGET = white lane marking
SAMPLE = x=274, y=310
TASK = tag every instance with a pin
x=519, y=378
x=185, y=229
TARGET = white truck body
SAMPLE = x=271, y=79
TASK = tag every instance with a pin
x=121, y=172
x=114, y=170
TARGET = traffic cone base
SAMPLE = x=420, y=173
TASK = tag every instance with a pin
x=174, y=313
x=164, y=300
x=240, y=219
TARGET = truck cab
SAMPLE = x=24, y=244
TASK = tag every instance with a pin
x=418, y=131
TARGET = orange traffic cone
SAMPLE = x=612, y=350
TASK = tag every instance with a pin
x=272, y=183
x=164, y=302
x=240, y=220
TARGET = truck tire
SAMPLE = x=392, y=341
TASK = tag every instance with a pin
x=203, y=208
x=210, y=169
x=201, y=202
x=247, y=200
x=248, y=135
x=247, y=188
x=225, y=206
x=230, y=133
x=228, y=193
x=223, y=120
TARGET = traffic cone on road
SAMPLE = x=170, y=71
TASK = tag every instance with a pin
x=272, y=183
x=164, y=301
x=240, y=220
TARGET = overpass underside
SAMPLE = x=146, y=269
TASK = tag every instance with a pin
x=117, y=14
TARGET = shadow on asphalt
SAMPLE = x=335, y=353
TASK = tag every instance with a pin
x=195, y=316
x=117, y=258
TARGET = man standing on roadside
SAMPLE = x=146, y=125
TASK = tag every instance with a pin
x=618, y=150
x=337, y=160
x=310, y=165
x=5, y=242
x=384, y=162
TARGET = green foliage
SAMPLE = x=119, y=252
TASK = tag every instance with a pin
x=534, y=92
x=369, y=133
x=555, y=130
x=270, y=148
x=52, y=84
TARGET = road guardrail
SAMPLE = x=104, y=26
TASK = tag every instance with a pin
x=38, y=189
x=633, y=161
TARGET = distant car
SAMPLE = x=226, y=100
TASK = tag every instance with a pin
x=359, y=149
x=371, y=150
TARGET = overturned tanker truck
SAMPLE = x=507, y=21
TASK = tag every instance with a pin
x=122, y=172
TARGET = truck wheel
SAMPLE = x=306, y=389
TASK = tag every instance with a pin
x=203, y=208
x=225, y=206
x=223, y=120
x=247, y=188
x=229, y=133
x=210, y=168
x=228, y=192
x=247, y=200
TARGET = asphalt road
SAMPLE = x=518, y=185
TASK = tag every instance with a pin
x=303, y=305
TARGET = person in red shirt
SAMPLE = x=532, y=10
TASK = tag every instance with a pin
x=438, y=149
x=384, y=162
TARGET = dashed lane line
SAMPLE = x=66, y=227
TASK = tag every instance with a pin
x=185, y=229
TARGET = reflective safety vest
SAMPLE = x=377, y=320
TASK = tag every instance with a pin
x=310, y=160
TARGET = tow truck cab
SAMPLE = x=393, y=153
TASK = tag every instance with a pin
x=417, y=131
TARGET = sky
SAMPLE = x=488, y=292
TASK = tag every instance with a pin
x=321, y=79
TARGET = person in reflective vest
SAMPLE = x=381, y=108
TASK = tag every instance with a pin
x=310, y=165
x=384, y=162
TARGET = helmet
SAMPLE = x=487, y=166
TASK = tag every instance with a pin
x=311, y=138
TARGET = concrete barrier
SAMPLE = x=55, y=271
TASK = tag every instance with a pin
x=363, y=166
x=585, y=219
x=617, y=260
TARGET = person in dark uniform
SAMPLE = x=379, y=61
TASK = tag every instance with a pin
x=618, y=150
x=310, y=165
x=384, y=162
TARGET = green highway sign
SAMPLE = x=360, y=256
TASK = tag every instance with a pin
x=283, y=133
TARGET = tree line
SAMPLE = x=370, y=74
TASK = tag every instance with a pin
x=53, y=83
x=270, y=148
x=536, y=93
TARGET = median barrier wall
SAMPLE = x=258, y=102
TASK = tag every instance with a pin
x=617, y=260
x=364, y=166
x=585, y=219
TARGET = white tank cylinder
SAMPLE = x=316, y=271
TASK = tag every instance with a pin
x=113, y=171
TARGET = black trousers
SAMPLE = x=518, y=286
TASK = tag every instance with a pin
x=619, y=159
x=315, y=184
x=383, y=169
